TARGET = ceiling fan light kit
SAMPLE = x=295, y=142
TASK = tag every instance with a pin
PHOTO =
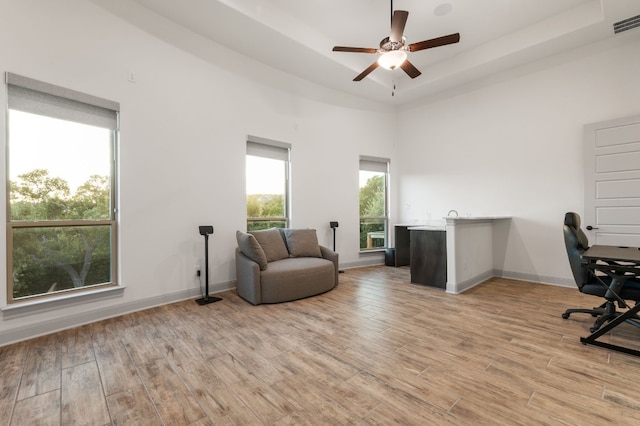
x=393, y=49
x=392, y=59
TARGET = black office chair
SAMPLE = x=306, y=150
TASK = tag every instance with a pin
x=627, y=288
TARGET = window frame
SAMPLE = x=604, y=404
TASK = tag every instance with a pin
x=48, y=100
x=267, y=148
x=382, y=165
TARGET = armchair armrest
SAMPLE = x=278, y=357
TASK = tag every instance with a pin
x=248, y=278
x=333, y=257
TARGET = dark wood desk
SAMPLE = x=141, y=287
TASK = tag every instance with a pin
x=626, y=254
x=630, y=257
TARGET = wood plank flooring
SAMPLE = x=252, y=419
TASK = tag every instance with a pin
x=376, y=350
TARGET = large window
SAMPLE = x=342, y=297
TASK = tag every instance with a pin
x=374, y=211
x=61, y=227
x=267, y=184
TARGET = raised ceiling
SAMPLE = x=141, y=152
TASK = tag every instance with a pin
x=296, y=36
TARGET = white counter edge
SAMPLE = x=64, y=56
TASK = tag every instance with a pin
x=473, y=219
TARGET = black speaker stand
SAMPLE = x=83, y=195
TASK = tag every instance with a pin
x=333, y=226
x=206, y=299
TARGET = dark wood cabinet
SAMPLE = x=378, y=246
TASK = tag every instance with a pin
x=429, y=258
x=402, y=251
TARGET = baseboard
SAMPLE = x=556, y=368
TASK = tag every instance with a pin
x=541, y=279
x=518, y=276
x=362, y=263
x=472, y=282
x=75, y=320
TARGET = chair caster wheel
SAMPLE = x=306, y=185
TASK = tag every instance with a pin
x=565, y=315
x=594, y=315
x=593, y=329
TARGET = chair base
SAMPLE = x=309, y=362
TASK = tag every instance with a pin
x=606, y=312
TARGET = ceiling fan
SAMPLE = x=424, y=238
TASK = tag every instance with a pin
x=393, y=49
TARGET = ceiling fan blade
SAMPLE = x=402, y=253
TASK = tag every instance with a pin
x=366, y=72
x=411, y=70
x=398, y=22
x=435, y=42
x=354, y=49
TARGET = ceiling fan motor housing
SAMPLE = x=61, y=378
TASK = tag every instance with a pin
x=387, y=45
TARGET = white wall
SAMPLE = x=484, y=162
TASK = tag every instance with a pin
x=512, y=147
x=182, y=151
x=515, y=148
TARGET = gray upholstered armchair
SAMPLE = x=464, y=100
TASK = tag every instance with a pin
x=280, y=265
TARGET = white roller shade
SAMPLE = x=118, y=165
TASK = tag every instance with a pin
x=374, y=164
x=261, y=147
x=37, y=97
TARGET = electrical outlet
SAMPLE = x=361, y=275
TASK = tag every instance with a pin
x=197, y=272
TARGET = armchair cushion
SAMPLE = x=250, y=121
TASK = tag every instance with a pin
x=249, y=246
x=302, y=242
x=272, y=244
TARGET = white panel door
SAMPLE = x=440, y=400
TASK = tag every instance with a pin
x=612, y=182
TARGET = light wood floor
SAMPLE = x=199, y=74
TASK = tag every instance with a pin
x=375, y=350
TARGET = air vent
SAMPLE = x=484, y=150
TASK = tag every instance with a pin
x=626, y=24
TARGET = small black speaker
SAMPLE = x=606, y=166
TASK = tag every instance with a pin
x=205, y=230
x=390, y=257
x=333, y=224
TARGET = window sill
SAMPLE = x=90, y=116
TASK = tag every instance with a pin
x=19, y=309
x=376, y=250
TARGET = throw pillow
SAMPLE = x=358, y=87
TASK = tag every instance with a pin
x=249, y=246
x=302, y=242
x=272, y=244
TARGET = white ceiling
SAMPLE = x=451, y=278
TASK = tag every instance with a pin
x=296, y=36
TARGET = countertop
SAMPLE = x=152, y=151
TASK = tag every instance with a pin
x=462, y=218
x=440, y=225
x=427, y=228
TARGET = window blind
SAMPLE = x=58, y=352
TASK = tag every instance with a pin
x=37, y=97
x=374, y=164
x=261, y=147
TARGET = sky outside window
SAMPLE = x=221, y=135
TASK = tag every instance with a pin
x=265, y=176
x=68, y=150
